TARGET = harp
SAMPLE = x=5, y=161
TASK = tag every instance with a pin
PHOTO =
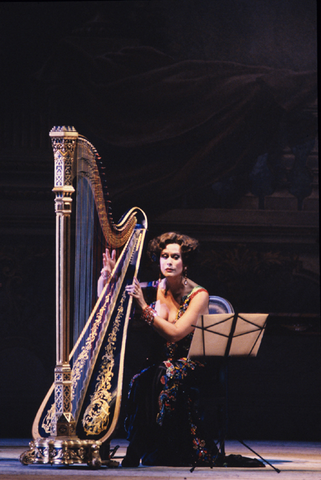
x=81, y=409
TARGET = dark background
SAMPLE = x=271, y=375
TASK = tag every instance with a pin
x=256, y=219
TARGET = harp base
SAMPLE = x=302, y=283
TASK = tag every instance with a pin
x=62, y=451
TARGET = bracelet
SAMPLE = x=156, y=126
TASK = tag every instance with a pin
x=148, y=315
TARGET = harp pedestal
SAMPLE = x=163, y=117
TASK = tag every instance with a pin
x=62, y=451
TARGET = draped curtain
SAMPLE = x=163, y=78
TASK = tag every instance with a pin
x=171, y=129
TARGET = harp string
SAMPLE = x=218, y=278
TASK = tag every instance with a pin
x=84, y=256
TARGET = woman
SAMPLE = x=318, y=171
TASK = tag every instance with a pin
x=162, y=421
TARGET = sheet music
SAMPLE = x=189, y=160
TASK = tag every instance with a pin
x=228, y=334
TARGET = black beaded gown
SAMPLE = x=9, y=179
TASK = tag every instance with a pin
x=162, y=422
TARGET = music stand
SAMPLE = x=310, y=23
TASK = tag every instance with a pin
x=226, y=335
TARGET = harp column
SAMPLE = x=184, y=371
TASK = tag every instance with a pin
x=63, y=141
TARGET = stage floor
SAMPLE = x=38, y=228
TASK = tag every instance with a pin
x=295, y=460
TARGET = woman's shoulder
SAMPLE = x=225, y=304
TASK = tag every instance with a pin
x=195, y=287
x=195, y=290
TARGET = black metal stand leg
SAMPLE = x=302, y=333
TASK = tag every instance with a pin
x=255, y=453
x=223, y=405
x=223, y=413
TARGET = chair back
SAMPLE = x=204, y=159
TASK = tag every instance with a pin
x=219, y=305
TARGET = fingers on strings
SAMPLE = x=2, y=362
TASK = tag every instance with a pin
x=134, y=288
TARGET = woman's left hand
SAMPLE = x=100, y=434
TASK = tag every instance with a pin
x=136, y=292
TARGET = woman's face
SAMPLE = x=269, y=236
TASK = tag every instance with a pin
x=171, y=263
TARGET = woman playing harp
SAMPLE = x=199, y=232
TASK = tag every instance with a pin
x=162, y=421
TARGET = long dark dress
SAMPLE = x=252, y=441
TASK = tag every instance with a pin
x=162, y=421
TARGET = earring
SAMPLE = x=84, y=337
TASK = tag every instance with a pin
x=185, y=276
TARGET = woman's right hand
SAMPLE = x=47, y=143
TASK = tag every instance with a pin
x=135, y=291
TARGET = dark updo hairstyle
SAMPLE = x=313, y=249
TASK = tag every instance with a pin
x=188, y=246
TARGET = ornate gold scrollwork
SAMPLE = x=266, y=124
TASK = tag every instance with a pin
x=96, y=417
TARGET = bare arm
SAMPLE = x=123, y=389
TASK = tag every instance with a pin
x=173, y=332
